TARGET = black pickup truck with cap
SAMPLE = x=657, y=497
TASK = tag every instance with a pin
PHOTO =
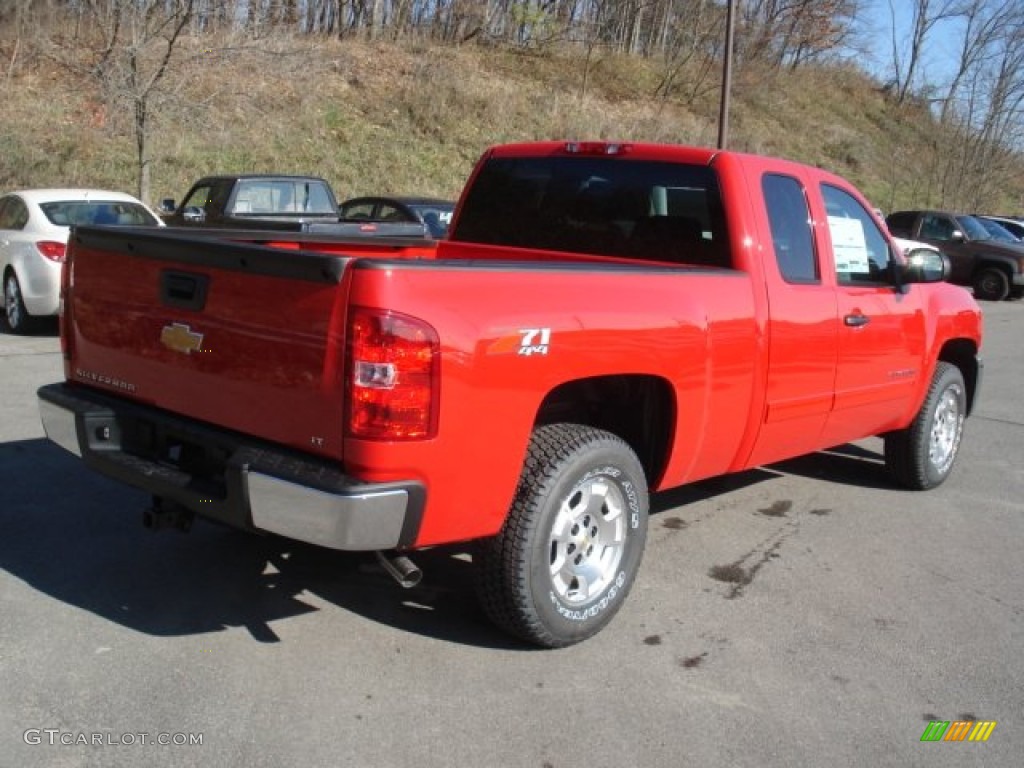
x=272, y=202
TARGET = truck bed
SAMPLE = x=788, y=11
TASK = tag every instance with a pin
x=247, y=332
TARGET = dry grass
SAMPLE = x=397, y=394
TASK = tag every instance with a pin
x=413, y=119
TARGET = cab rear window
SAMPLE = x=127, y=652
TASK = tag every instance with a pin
x=655, y=211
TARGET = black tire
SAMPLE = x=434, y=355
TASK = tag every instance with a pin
x=991, y=284
x=18, y=318
x=922, y=455
x=580, y=510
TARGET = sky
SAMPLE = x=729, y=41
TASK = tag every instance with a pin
x=939, y=59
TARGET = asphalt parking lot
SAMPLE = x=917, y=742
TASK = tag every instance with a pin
x=806, y=614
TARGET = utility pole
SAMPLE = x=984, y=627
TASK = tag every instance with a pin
x=723, y=111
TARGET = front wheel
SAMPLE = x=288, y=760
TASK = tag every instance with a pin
x=922, y=455
x=570, y=548
x=991, y=284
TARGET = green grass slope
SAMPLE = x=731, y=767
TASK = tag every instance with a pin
x=413, y=119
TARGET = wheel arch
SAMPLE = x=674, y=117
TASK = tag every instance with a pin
x=15, y=267
x=638, y=408
x=963, y=353
x=1007, y=264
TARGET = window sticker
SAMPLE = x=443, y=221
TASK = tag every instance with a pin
x=849, y=244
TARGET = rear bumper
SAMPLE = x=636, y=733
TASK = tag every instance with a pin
x=230, y=477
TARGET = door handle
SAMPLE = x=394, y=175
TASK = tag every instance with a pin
x=856, y=321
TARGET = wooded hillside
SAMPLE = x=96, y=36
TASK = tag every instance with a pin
x=402, y=95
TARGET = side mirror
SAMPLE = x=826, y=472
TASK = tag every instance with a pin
x=166, y=205
x=194, y=214
x=923, y=265
x=957, y=236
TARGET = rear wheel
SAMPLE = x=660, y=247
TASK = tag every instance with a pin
x=991, y=284
x=563, y=563
x=922, y=455
x=18, y=318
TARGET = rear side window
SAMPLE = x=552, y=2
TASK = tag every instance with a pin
x=607, y=206
x=901, y=224
x=937, y=226
x=790, y=222
x=860, y=249
x=392, y=213
x=359, y=210
x=13, y=213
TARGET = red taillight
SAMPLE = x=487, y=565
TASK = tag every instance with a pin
x=393, y=376
x=52, y=250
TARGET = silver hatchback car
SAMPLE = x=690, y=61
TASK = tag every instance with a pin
x=34, y=229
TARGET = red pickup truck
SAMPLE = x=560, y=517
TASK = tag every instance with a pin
x=604, y=320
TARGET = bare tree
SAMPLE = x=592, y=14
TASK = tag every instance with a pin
x=978, y=113
x=691, y=41
x=993, y=121
x=134, y=46
x=926, y=15
x=21, y=20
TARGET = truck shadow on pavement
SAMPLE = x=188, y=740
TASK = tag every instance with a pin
x=78, y=537
x=845, y=464
x=849, y=464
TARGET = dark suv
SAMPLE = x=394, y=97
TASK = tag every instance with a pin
x=993, y=268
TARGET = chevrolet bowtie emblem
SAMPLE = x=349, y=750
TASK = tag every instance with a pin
x=181, y=338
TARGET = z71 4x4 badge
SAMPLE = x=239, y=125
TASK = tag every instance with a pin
x=535, y=341
x=526, y=342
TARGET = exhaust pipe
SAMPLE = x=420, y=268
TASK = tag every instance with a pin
x=401, y=569
x=160, y=517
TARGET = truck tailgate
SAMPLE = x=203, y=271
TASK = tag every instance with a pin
x=245, y=336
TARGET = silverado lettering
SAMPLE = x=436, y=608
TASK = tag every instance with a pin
x=603, y=320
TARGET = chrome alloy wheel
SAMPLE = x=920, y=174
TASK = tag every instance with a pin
x=946, y=428
x=587, y=540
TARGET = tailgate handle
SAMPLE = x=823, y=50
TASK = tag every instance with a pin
x=183, y=290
